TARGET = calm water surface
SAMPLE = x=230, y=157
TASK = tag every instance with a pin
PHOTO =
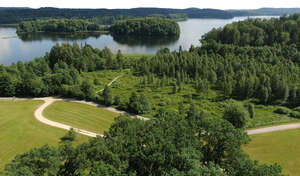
x=26, y=48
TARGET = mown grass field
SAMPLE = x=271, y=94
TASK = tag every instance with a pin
x=20, y=131
x=281, y=147
x=163, y=97
x=81, y=116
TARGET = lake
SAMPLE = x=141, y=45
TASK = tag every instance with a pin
x=26, y=48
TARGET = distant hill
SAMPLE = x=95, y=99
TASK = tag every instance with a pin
x=15, y=15
x=12, y=8
x=265, y=12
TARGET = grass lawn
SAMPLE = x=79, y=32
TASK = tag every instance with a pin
x=20, y=131
x=80, y=116
x=281, y=147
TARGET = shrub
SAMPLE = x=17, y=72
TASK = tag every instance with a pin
x=297, y=109
x=236, y=115
x=294, y=114
x=282, y=110
x=70, y=136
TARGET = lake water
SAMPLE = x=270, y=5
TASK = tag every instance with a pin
x=13, y=48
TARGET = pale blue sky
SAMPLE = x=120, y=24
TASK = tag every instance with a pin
x=219, y=4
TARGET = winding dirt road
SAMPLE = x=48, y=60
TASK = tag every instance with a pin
x=49, y=100
x=38, y=113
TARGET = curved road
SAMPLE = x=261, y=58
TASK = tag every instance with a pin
x=38, y=113
x=49, y=100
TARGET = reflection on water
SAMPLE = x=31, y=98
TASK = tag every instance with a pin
x=30, y=46
x=145, y=41
x=57, y=37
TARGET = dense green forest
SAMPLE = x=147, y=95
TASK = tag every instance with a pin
x=108, y=20
x=105, y=16
x=268, y=74
x=258, y=32
x=145, y=27
x=109, y=16
x=57, y=25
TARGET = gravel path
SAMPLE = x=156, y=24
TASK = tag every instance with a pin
x=38, y=114
x=110, y=83
x=274, y=128
x=49, y=100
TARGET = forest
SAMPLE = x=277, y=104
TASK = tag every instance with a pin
x=145, y=27
x=258, y=32
x=57, y=26
x=17, y=15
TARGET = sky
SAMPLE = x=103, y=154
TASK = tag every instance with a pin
x=217, y=4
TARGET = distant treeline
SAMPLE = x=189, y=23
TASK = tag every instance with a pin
x=108, y=20
x=57, y=25
x=146, y=27
x=16, y=15
x=258, y=32
x=265, y=12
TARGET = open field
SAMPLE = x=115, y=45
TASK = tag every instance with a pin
x=79, y=115
x=20, y=131
x=278, y=147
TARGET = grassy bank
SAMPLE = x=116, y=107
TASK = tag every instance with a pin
x=278, y=147
x=20, y=131
x=80, y=116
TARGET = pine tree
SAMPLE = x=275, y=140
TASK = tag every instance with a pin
x=107, y=96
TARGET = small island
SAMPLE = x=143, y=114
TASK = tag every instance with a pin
x=148, y=26
x=58, y=26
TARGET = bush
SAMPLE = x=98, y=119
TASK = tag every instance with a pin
x=236, y=115
x=297, y=109
x=97, y=82
x=282, y=110
x=295, y=114
x=250, y=108
x=70, y=136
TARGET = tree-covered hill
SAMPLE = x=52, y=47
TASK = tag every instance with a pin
x=145, y=27
x=57, y=26
x=258, y=32
x=14, y=15
x=265, y=12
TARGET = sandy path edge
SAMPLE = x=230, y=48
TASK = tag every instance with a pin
x=38, y=113
x=49, y=100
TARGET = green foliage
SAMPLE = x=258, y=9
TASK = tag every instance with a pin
x=39, y=161
x=250, y=109
x=139, y=104
x=164, y=146
x=258, y=32
x=236, y=115
x=63, y=25
x=106, y=16
x=70, y=136
x=107, y=96
x=282, y=110
x=146, y=27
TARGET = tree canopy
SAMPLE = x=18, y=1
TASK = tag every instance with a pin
x=57, y=25
x=165, y=146
x=258, y=32
x=146, y=27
